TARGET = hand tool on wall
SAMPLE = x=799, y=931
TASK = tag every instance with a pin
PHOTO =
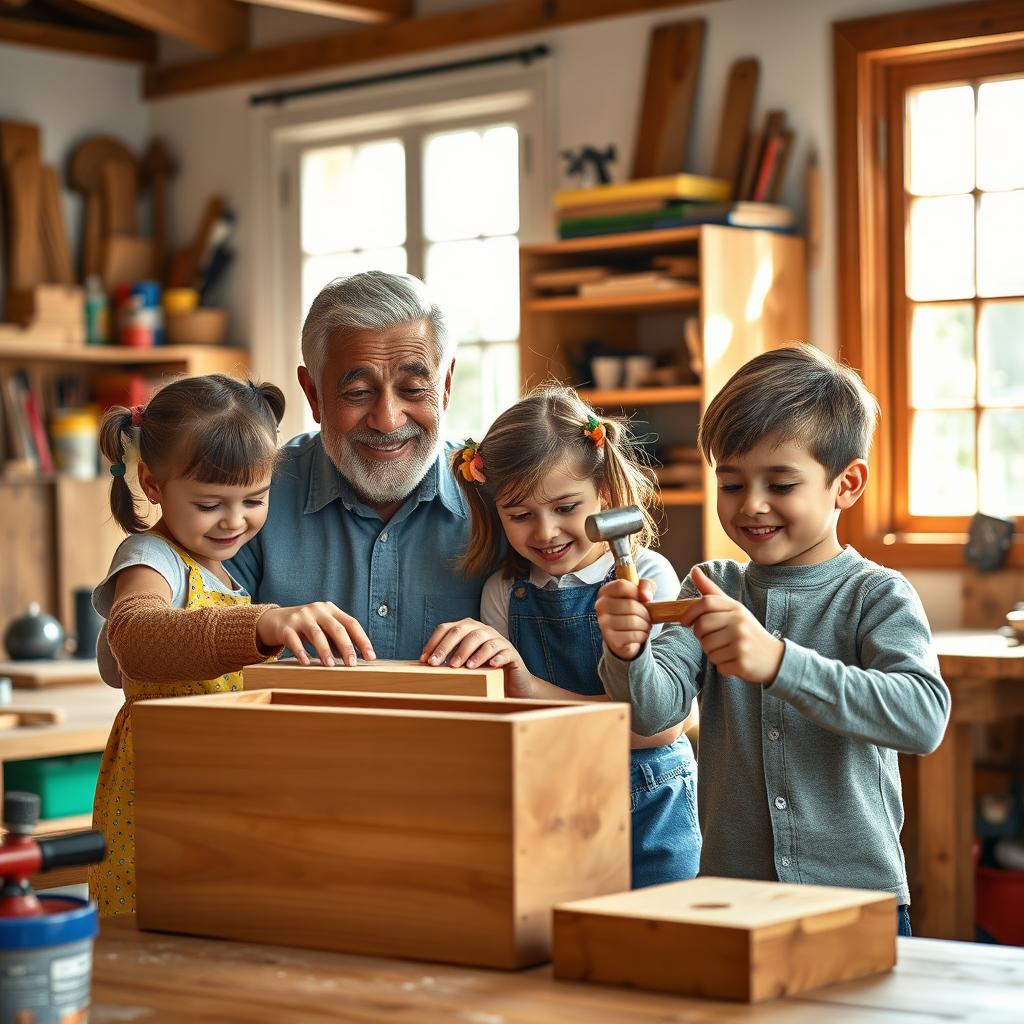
x=157, y=168
x=616, y=525
x=85, y=175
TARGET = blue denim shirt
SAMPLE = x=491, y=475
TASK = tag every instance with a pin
x=321, y=543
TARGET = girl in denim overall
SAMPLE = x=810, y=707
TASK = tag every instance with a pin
x=543, y=467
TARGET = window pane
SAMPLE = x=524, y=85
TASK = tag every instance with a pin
x=940, y=141
x=1001, y=353
x=1002, y=462
x=454, y=275
x=1000, y=138
x=940, y=248
x=486, y=383
x=942, y=473
x=498, y=299
x=353, y=197
x=1001, y=243
x=471, y=183
x=942, y=356
x=319, y=270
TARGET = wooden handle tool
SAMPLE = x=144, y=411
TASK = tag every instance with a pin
x=670, y=611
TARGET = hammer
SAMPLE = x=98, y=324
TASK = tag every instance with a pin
x=615, y=526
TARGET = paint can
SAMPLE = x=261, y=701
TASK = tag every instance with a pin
x=46, y=963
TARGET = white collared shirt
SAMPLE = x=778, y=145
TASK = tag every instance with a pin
x=649, y=564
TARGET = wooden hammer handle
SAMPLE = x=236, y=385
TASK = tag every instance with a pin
x=627, y=571
x=670, y=611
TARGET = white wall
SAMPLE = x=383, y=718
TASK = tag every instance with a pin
x=72, y=97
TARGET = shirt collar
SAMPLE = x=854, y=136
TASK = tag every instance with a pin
x=589, y=574
x=326, y=484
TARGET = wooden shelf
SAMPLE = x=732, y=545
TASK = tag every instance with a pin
x=48, y=827
x=115, y=354
x=681, y=496
x=642, y=396
x=611, y=303
x=633, y=240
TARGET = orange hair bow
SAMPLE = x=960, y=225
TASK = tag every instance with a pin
x=472, y=465
x=594, y=431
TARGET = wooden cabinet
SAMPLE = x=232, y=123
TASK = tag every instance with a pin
x=749, y=294
x=56, y=533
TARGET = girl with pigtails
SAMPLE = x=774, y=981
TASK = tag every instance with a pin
x=546, y=464
x=176, y=622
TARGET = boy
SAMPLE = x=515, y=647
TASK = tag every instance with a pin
x=814, y=665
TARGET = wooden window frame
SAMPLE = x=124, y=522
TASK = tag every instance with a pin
x=871, y=55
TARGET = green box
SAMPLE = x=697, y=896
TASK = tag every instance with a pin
x=66, y=785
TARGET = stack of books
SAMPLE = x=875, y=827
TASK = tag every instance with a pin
x=649, y=204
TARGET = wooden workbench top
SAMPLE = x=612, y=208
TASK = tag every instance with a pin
x=89, y=712
x=152, y=978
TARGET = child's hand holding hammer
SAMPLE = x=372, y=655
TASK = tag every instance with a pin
x=624, y=617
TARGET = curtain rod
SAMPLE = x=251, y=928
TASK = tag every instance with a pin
x=282, y=96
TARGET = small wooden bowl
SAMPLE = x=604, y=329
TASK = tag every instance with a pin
x=203, y=326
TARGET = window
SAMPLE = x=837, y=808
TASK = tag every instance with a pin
x=441, y=188
x=931, y=191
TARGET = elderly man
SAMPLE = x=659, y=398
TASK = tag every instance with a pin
x=365, y=512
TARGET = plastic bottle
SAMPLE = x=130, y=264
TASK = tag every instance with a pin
x=97, y=312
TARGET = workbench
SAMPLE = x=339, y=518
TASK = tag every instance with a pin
x=152, y=978
x=985, y=676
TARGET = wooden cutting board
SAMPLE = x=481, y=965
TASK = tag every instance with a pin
x=61, y=672
x=673, y=67
x=735, y=124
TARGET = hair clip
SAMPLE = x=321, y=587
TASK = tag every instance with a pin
x=594, y=431
x=117, y=469
x=472, y=466
x=137, y=411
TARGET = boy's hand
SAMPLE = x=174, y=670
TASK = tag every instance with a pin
x=734, y=641
x=623, y=616
x=322, y=624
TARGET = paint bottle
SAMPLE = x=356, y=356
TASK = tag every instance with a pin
x=97, y=312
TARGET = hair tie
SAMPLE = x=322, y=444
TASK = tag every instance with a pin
x=593, y=429
x=137, y=415
x=117, y=469
x=472, y=466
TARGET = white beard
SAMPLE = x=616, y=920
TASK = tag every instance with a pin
x=377, y=482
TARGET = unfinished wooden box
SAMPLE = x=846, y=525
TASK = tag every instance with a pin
x=726, y=938
x=378, y=677
x=426, y=827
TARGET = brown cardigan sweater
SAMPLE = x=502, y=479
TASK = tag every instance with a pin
x=207, y=642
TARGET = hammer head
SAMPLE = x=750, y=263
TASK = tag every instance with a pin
x=614, y=523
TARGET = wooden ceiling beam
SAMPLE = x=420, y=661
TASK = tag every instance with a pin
x=417, y=35
x=370, y=12
x=98, y=44
x=217, y=26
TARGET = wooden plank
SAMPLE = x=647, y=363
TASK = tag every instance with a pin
x=57, y=266
x=26, y=538
x=218, y=26
x=415, y=35
x=370, y=12
x=25, y=255
x=383, y=676
x=48, y=36
x=34, y=675
x=735, y=123
x=396, y=820
x=673, y=67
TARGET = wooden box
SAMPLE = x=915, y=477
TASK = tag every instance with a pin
x=378, y=677
x=726, y=938
x=427, y=827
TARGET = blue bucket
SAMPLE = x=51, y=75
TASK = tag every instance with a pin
x=46, y=962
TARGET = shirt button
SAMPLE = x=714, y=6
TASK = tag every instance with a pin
x=384, y=537
x=780, y=802
x=787, y=861
x=773, y=733
x=382, y=610
x=777, y=633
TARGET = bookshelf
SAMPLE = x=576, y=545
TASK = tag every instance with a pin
x=750, y=294
x=56, y=533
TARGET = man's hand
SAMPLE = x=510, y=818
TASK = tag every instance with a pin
x=623, y=616
x=733, y=640
x=322, y=624
x=473, y=644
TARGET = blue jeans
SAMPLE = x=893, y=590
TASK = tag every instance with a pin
x=663, y=801
x=903, y=920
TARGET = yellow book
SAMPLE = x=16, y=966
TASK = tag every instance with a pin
x=672, y=186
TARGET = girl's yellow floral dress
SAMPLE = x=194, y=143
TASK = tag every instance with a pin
x=112, y=882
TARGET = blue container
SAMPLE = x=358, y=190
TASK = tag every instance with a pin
x=46, y=962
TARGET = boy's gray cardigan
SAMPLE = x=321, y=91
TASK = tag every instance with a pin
x=799, y=780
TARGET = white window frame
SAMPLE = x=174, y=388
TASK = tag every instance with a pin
x=518, y=95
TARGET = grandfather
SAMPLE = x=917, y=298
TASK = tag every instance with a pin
x=365, y=512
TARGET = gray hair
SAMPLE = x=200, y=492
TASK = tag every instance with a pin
x=372, y=301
